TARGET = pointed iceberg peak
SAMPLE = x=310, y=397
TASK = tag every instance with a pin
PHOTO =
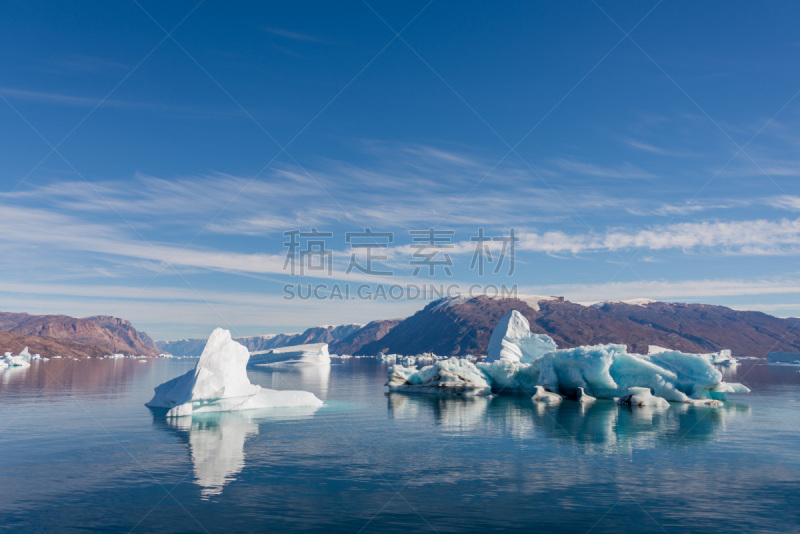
x=222, y=368
x=512, y=341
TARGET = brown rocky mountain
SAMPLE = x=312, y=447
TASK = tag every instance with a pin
x=326, y=334
x=713, y=327
x=463, y=326
x=110, y=334
x=361, y=337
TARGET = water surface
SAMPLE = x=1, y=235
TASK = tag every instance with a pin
x=79, y=452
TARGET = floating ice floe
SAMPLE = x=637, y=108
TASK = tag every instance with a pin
x=519, y=363
x=388, y=358
x=311, y=354
x=409, y=360
x=23, y=359
x=448, y=377
x=219, y=383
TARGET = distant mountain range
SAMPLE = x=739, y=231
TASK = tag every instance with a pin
x=447, y=327
x=61, y=335
x=317, y=334
x=463, y=326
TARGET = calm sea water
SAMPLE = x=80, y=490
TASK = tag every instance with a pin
x=80, y=453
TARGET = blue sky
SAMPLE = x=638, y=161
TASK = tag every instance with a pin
x=155, y=153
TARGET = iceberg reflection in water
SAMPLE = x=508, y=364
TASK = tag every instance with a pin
x=217, y=441
x=598, y=427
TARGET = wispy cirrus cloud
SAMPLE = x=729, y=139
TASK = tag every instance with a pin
x=53, y=232
x=785, y=202
x=293, y=35
x=60, y=98
x=689, y=207
x=657, y=150
x=410, y=186
x=625, y=171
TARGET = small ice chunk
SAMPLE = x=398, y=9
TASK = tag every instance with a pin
x=582, y=396
x=713, y=403
x=642, y=397
x=548, y=397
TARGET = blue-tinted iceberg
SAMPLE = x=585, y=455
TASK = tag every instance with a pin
x=219, y=383
x=722, y=357
x=520, y=364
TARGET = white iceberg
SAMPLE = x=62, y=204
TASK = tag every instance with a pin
x=512, y=341
x=219, y=383
x=23, y=359
x=311, y=354
x=600, y=371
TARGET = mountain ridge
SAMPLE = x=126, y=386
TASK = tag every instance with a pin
x=97, y=334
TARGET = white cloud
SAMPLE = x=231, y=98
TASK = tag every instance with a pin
x=56, y=231
x=735, y=237
x=411, y=186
